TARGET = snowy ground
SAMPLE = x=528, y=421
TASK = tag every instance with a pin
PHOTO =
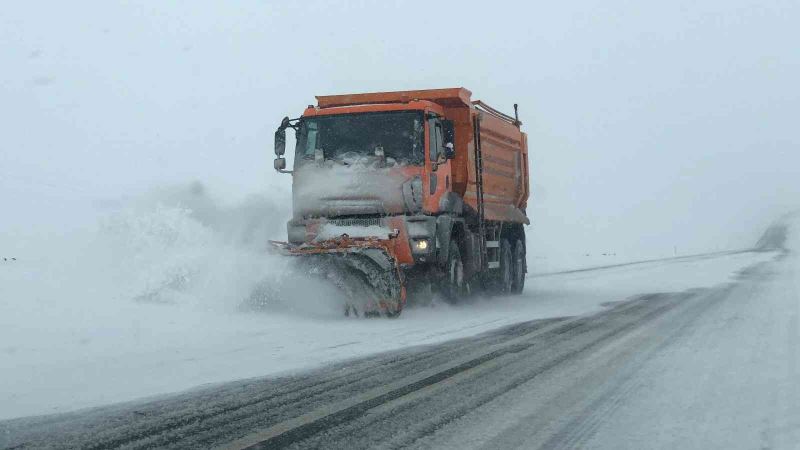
x=61, y=354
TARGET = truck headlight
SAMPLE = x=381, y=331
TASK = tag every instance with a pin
x=421, y=245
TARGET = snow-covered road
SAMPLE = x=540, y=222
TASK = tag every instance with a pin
x=104, y=353
x=695, y=352
x=720, y=370
x=711, y=367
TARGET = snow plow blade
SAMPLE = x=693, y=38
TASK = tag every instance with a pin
x=366, y=269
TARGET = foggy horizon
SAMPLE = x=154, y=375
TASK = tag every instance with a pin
x=650, y=127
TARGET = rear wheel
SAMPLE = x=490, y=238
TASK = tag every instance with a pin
x=506, y=275
x=454, y=286
x=518, y=280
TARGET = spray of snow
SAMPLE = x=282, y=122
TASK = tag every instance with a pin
x=171, y=246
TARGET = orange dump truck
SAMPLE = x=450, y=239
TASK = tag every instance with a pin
x=394, y=190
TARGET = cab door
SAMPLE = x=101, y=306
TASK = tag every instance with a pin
x=437, y=167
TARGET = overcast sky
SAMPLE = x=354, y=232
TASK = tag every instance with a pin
x=650, y=125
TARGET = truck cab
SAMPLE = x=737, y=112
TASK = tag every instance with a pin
x=396, y=168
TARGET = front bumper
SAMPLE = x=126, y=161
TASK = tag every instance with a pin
x=414, y=235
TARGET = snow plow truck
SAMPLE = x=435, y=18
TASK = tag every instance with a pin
x=393, y=191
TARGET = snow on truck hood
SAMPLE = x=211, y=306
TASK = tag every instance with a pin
x=350, y=190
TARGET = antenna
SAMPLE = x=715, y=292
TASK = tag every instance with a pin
x=516, y=116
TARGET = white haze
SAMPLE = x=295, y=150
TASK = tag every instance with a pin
x=136, y=139
x=651, y=125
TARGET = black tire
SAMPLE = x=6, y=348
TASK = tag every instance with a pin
x=393, y=313
x=518, y=274
x=453, y=285
x=419, y=289
x=505, y=275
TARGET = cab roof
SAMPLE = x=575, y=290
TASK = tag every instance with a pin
x=446, y=97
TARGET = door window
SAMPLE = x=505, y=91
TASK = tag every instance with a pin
x=436, y=139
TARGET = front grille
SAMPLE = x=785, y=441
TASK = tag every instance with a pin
x=356, y=221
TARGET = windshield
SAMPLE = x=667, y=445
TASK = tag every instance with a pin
x=351, y=136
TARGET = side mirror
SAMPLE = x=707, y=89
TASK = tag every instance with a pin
x=280, y=164
x=280, y=142
x=449, y=151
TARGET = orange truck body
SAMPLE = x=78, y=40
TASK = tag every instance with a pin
x=468, y=195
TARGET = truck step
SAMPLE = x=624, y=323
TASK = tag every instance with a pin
x=494, y=264
x=492, y=244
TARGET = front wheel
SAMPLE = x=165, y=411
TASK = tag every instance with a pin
x=454, y=286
